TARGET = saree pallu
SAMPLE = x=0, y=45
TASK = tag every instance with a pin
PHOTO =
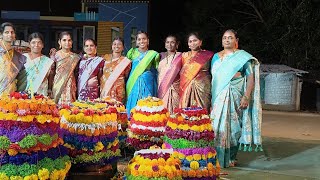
x=37, y=72
x=169, y=80
x=142, y=80
x=11, y=66
x=64, y=83
x=195, y=79
x=90, y=71
x=233, y=126
x=115, y=88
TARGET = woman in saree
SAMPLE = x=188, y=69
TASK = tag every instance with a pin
x=64, y=84
x=90, y=71
x=115, y=72
x=142, y=80
x=169, y=79
x=11, y=61
x=38, y=66
x=236, y=107
x=195, y=75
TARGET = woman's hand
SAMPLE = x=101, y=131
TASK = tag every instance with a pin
x=244, y=102
x=52, y=52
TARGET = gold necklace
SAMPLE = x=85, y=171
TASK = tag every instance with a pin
x=172, y=56
x=34, y=63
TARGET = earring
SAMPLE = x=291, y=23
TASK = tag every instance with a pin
x=60, y=47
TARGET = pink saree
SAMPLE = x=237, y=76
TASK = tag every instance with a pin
x=169, y=80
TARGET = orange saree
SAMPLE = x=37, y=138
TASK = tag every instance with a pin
x=195, y=80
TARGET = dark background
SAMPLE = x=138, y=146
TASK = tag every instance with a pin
x=274, y=31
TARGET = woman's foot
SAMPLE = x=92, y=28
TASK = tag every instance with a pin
x=233, y=163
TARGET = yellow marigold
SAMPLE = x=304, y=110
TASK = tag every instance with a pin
x=156, y=174
x=163, y=172
x=164, y=117
x=194, y=165
x=54, y=175
x=195, y=128
x=16, y=178
x=181, y=156
x=170, y=161
x=189, y=158
x=204, y=156
x=154, y=162
x=12, y=152
x=184, y=127
x=161, y=161
x=197, y=157
x=34, y=177
x=27, y=178
x=99, y=146
x=210, y=155
x=79, y=117
x=134, y=172
x=41, y=119
x=12, y=116
x=114, y=117
x=43, y=174
x=3, y=176
x=173, y=126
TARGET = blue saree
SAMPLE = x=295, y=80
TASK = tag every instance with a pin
x=142, y=80
x=235, y=129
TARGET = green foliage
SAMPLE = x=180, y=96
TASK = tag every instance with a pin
x=4, y=143
x=275, y=31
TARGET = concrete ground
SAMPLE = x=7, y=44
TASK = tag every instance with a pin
x=291, y=143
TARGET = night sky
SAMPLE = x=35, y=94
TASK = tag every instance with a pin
x=165, y=15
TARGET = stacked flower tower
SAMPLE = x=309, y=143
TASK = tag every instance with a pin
x=30, y=139
x=122, y=118
x=154, y=164
x=91, y=135
x=147, y=123
x=190, y=134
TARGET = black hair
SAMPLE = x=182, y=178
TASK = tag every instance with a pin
x=35, y=35
x=90, y=39
x=3, y=26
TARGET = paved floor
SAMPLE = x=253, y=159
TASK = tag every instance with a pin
x=291, y=149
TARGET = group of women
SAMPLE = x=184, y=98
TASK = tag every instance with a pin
x=226, y=82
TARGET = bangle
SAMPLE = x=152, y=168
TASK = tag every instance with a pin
x=245, y=97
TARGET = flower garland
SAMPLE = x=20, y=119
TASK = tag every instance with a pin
x=179, y=120
x=93, y=129
x=30, y=143
x=143, y=144
x=183, y=143
x=34, y=157
x=150, y=102
x=22, y=104
x=84, y=158
x=189, y=134
x=45, y=169
x=198, y=128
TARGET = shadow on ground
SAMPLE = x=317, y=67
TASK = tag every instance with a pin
x=282, y=159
